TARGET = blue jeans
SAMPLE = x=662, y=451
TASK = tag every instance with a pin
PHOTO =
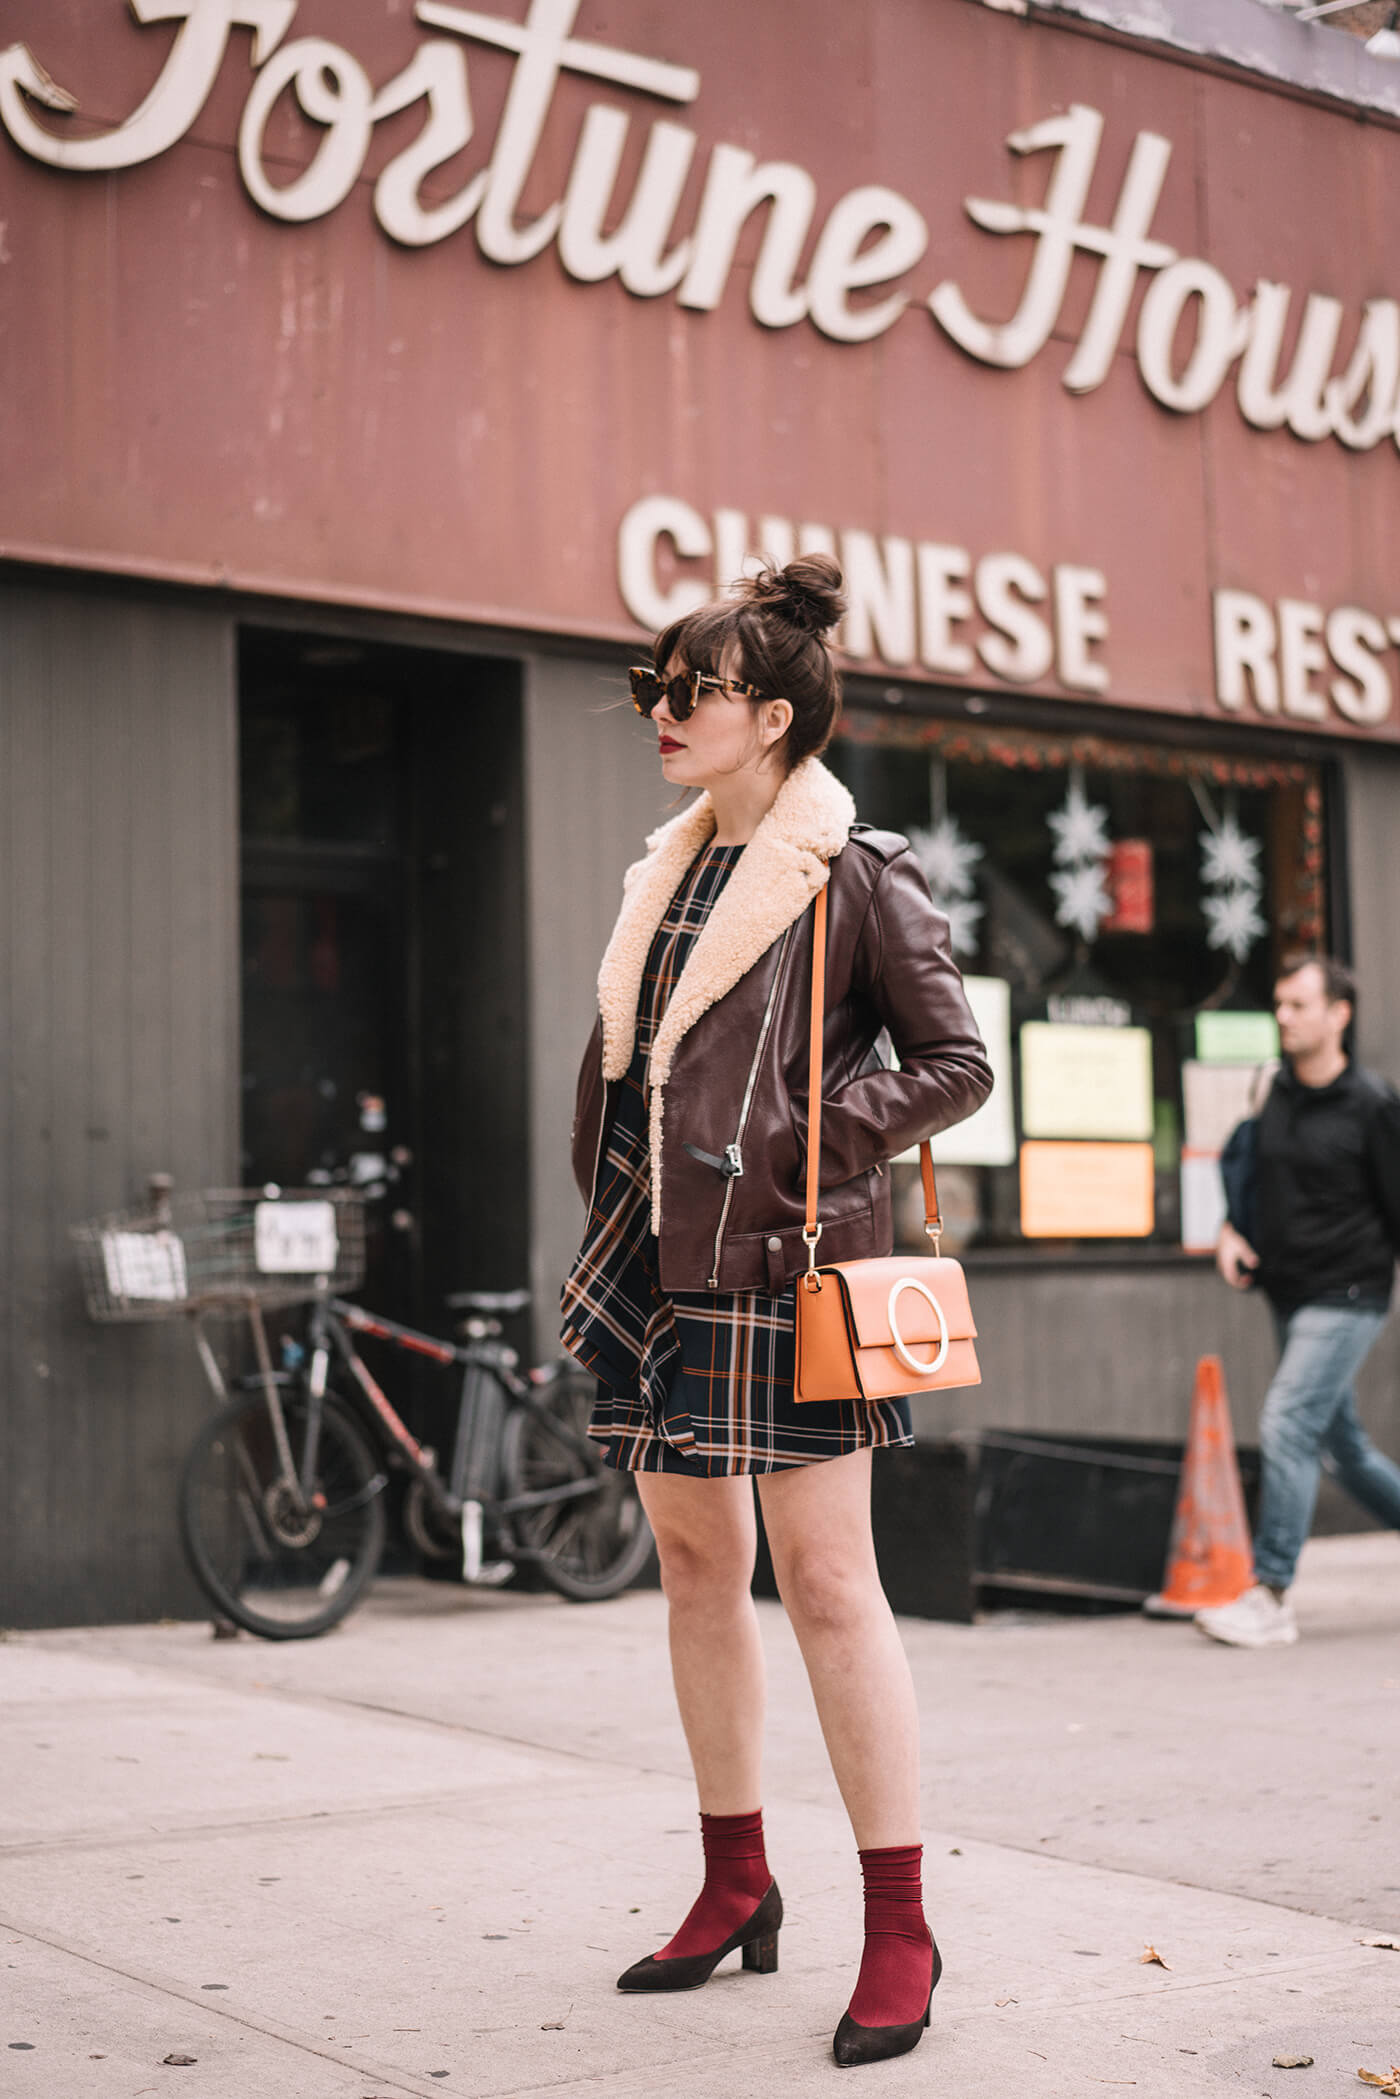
x=1309, y=1421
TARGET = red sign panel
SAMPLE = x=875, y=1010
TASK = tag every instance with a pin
x=1129, y=882
x=546, y=315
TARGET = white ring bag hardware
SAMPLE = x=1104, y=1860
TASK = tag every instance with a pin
x=901, y=1347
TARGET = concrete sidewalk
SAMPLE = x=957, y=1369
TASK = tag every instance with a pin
x=413, y=1857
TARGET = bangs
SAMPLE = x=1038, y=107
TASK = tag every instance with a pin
x=703, y=638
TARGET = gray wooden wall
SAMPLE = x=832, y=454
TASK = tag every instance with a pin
x=593, y=791
x=119, y=988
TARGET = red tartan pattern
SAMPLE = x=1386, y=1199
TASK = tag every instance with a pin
x=700, y=1383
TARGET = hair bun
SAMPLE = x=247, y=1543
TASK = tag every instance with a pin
x=807, y=592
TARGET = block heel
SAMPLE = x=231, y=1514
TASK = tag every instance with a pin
x=761, y=1955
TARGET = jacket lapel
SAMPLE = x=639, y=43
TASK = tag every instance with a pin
x=779, y=872
x=647, y=888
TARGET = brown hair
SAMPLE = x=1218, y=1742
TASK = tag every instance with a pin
x=770, y=631
x=1337, y=979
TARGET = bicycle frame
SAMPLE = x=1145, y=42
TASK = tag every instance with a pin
x=489, y=1374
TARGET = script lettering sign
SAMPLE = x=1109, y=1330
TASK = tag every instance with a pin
x=1196, y=333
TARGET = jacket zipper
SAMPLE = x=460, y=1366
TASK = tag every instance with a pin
x=598, y=1147
x=735, y=1150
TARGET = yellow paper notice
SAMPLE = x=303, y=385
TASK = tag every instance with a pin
x=1086, y=1191
x=1085, y=1082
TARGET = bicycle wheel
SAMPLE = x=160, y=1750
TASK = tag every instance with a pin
x=279, y=1570
x=591, y=1546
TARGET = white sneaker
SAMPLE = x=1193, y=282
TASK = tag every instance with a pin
x=1256, y=1619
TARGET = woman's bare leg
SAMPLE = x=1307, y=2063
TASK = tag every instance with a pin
x=818, y=1522
x=706, y=1536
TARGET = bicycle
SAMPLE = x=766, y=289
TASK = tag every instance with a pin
x=281, y=1499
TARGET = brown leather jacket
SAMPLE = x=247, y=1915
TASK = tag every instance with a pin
x=728, y=1069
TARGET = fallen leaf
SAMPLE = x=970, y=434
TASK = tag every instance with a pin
x=1293, y=2062
x=1389, y=2084
x=181, y=2062
x=1151, y=1958
x=1377, y=1938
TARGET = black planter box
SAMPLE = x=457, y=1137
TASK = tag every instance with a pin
x=1087, y=1516
x=1005, y=1514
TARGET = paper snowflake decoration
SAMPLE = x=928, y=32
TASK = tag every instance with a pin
x=1081, y=830
x=1083, y=898
x=1229, y=860
x=963, y=914
x=1233, y=922
x=949, y=860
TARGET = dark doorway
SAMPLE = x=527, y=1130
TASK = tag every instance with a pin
x=384, y=950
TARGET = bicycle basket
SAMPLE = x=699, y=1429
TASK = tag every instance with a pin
x=220, y=1249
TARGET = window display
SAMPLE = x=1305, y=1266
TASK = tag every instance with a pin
x=1120, y=909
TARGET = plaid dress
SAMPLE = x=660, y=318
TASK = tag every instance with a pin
x=698, y=1383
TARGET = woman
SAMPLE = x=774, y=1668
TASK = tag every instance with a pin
x=689, y=1148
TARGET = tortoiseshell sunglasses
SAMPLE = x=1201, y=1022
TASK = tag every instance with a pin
x=681, y=693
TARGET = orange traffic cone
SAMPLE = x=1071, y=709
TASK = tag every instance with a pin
x=1210, y=1559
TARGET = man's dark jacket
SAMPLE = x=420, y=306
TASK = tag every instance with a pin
x=1326, y=1210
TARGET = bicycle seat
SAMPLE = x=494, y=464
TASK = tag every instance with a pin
x=487, y=1300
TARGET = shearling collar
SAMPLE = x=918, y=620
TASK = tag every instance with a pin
x=779, y=872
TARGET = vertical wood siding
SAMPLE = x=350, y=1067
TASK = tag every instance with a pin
x=1371, y=795
x=593, y=792
x=119, y=1035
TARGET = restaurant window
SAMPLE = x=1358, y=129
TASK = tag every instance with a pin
x=1119, y=911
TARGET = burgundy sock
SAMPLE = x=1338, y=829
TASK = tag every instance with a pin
x=896, y=1967
x=736, y=1880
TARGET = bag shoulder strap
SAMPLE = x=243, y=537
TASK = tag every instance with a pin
x=812, y=1231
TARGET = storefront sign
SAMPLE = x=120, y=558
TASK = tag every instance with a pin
x=1128, y=877
x=988, y=1137
x=1086, y=1191
x=917, y=604
x=1085, y=1082
x=872, y=236
x=1236, y=1038
x=484, y=312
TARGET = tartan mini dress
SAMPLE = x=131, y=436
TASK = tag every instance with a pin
x=700, y=1382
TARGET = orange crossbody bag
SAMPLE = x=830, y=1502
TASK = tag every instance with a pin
x=896, y=1324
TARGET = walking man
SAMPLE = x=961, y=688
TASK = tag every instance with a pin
x=1320, y=1240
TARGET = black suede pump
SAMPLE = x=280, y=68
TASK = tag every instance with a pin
x=855, y=2044
x=758, y=1939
